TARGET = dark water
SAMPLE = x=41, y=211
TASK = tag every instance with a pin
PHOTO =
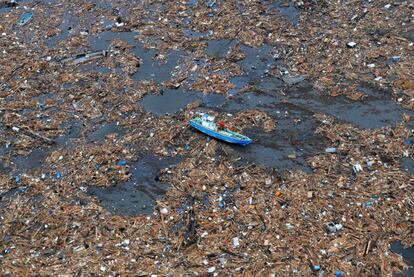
x=69, y=25
x=34, y=159
x=138, y=195
x=169, y=101
x=213, y=100
x=7, y=196
x=407, y=165
x=150, y=68
x=219, y=48
x=72, y=131
x=103, y=130
x=290, y=138
x=287, y=9
x=408, y=255
x=257, y=61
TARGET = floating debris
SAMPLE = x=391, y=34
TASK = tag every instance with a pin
x=292, y=80
x=351, y=44
x=86, y=57
x=24, y=19
x=111, y=175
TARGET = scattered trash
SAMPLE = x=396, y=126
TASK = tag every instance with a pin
x=86, y=57
x=292, y=80
x=357, y=168
x=368, y=204
x=211, y=269
x=396, y=58
x=211, y=3
x=111, y=176
x=332, y=227
x=24, y=19
x=164, y=211
x=236, y=242
x=370, y=163
x=121, y=163
x=330, y=150
x=351, y=44
x=316, y=267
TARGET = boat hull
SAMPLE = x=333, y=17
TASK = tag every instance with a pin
x=219, y=136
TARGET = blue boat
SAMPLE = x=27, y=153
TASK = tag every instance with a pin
x=206, y=125
x=25, y=18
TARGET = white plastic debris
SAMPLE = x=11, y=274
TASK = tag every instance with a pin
x=16, y=129
x=332, y=227
x=351, y=44
x=164, y=211
x=330, y=150
x=236, y=242
x=211, y=269
x=371, y=65
x=396, y=58
x=357, y=168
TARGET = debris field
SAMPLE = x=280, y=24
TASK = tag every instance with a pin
x=101, y=174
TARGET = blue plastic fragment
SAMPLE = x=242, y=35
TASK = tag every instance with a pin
x=97, y=166
x=22, y=189
x=17, y=179
x=58, y=175
x=221, y=202
x=338, y=273
x=316, y=267
x=408, y=141
x=180, y=210
x=122, y=163
x=25, y=18
x=368, y=204
x=211, y=3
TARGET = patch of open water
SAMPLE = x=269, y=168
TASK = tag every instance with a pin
x=137, y=195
